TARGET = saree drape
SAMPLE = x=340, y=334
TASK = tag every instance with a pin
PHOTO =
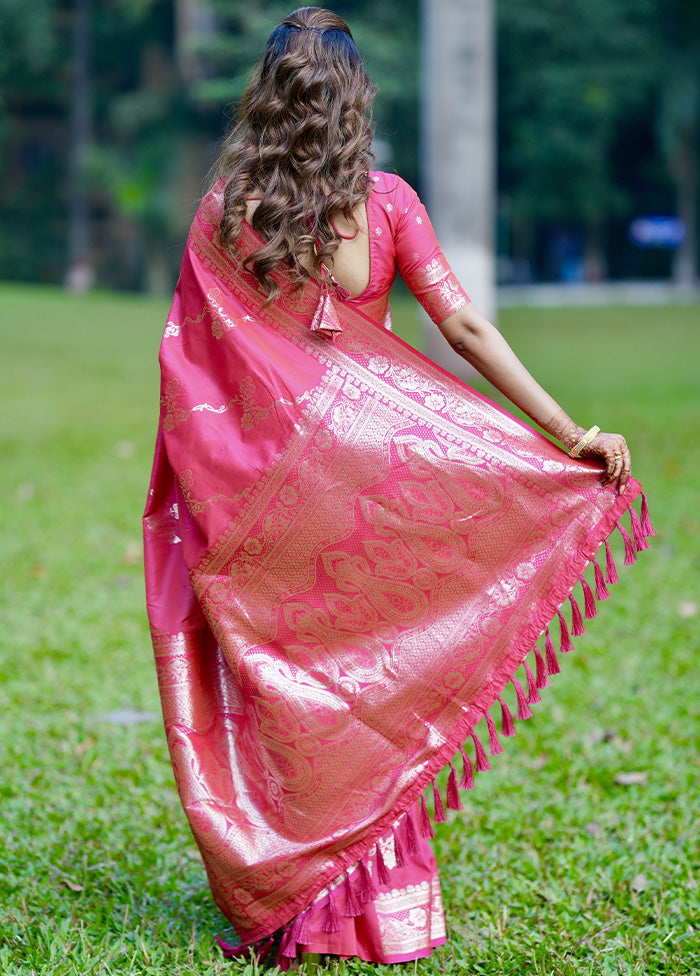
x=349, y=555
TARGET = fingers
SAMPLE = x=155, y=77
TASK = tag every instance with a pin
x=618, y=465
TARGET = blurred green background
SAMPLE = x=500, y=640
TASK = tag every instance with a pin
x=111, y=110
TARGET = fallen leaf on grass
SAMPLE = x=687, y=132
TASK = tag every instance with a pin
x=132, y=552
x=26, y=491
x=631, y=778
x=72, y=885
x=640, y=883
x=84, y=746
x=124, y=450
x=126, y=716
x=593, y=828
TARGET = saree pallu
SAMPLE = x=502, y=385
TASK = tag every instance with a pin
x=350, y=556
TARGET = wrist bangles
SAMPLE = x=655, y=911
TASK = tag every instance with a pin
x=584, y=441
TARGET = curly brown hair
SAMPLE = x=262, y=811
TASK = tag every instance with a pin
x=302, y=142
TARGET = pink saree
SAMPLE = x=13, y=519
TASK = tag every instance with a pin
x=350, y=557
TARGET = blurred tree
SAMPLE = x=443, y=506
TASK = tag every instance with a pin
x=34, y=58
x=569, y=72
x=678, y=123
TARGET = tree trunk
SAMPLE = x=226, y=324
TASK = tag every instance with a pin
x=80, y=273
x=594, y=262
x=458, y=150
x=685, y=175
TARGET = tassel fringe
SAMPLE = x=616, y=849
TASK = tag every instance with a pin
x=332, y=921
x=647, y=527
x=412, y=842
x=565, y=645
x=590, y=610
x=353, y=908
x=482, y=763
x=467, y=780
x=523, y=707
x=399, y=852
x=552, y=660
x=610, y=567
x=630, y=553
x=453, y=800
x=439, y=810
x=495, y=746
x=368, y=889
x=542, y=679
x=577, y=628
x=533, y=695
x=426, y=828
x=382, y=870
x=601, y=590
x=507, y=724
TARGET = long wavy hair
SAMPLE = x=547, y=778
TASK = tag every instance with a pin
x=302, y=143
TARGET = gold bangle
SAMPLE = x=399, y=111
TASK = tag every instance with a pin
x=584, y=442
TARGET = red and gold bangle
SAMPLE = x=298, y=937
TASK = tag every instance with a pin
x=584, y=442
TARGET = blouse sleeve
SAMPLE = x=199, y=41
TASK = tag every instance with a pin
x=421, y=262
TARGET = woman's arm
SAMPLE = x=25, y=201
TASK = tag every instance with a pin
x=475, y=339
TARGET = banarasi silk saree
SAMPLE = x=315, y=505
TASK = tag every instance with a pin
x=357, y=567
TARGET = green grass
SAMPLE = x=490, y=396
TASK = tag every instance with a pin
x=551, y=869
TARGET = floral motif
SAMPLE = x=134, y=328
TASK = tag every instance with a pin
x=288, y=495
x=435, y=401
x=378, y=364
x=407, y=379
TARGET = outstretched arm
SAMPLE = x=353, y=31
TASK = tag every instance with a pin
x=475, y=339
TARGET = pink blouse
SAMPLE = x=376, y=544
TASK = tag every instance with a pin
x=402, y=238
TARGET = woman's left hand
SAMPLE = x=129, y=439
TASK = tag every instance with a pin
x=613, y=450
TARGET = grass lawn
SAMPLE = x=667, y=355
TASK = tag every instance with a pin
x=553, y=868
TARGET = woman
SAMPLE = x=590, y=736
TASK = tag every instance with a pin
x=350, y=554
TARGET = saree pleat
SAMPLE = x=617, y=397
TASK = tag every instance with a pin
x=349, y=555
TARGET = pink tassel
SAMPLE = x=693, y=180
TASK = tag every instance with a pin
x=467, y=780
x=368, y=888
x=507, y=723
x=577, y=628
x=438, y=808
x=610, y=567
x=303, y=936
x=630, y=554
x=288, y=946
x=590, y=610
x=482, y=763
x=565, y=645
x=382, y=869
x=552, y=661
x=523, y=707
x=542, y=679
x=494, y=745
x=399, y=852
x=453, y=800
x=647, y=527
x=601, y=590
x=332, y=922
x=231, y=952
x=412, y=841
x=325, y=318
x=426, y=828
x=640, y=542
x=353, y=908
x=533, y=695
